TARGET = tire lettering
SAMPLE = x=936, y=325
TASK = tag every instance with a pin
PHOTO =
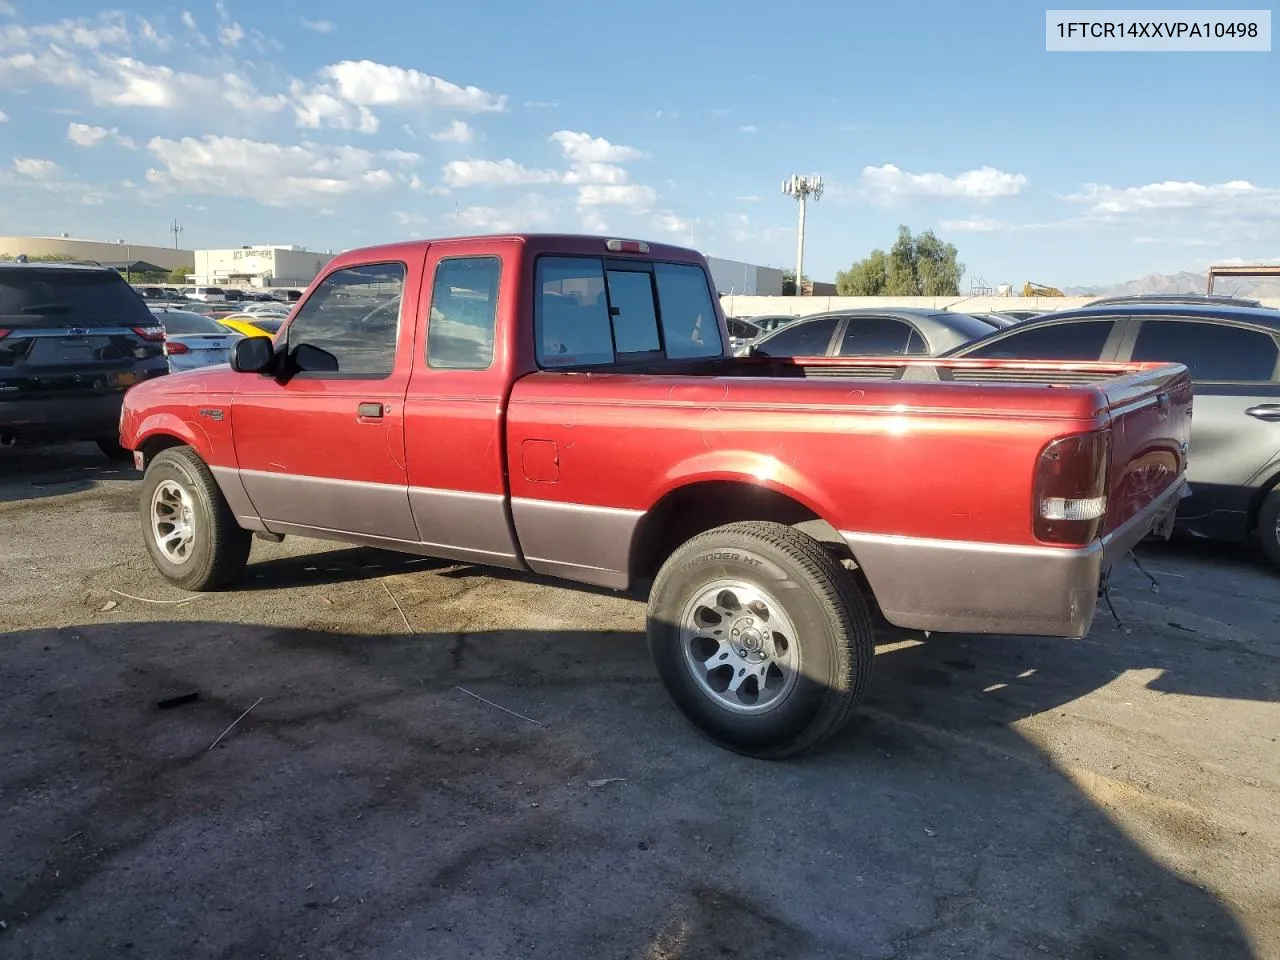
x=731, y=556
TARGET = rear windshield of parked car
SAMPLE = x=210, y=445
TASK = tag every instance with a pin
x=179, y=322
x=43, y=296
x=591, y=311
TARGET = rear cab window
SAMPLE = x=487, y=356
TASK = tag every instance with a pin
x=38, y=297
x=592, y=311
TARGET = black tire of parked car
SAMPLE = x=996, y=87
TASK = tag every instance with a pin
x=111, y=449
x=833, y=631
x=221, y=546
x=1268, y=518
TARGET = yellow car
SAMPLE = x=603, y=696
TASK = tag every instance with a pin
x=251, y=326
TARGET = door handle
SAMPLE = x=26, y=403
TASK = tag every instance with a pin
x=1265, y=411
x=369, y=411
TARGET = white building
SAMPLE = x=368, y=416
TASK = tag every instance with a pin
x=745, y=279
x=268, y=265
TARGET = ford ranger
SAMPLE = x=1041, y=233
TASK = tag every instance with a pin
x=569, y=406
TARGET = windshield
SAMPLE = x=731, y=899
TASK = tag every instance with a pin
x=179, y=322
x=269, y=324
x=41, y=296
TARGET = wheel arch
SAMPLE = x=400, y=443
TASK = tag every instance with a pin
x=703, y=503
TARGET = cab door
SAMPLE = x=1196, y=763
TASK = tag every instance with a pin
x=322, y=452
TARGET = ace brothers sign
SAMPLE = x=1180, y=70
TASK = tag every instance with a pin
x=255, y=262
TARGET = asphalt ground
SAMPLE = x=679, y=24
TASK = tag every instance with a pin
x=1117, y=796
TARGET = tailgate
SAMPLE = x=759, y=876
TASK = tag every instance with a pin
x=1150, y=414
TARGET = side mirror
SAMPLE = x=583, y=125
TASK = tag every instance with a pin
x=253, y=355
x=313, y=359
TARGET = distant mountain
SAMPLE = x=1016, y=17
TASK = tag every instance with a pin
x=1184, y=282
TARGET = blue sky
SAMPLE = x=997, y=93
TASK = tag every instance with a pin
x=336, y=125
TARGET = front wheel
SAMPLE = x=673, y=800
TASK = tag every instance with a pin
x=1268, y=531
x=760, y=637
x=190, y=531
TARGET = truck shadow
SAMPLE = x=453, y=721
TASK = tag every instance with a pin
x=382, y=777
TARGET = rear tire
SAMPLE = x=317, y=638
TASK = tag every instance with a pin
x=190, y=531
x=111, y=449
x=1268, y=531
x=760, y=599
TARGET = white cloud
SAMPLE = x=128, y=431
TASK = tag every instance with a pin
x=593, y=221
x=408, y=219
x=37, y=169
x=404, y=157
x=458, y=131
x=269, y=173
x=751, y=198
x=107, y=30
x=4, y=117
x=584, y=148
x=888, y=182
x=230, y=34
x=148, y=32
x=318, y=26
x=494, y=173
x=189, y=21
x=672, y=224
x=8, y=9
x=317, y=108
x=598, y=173
x=370, y=84
x=1232, y=196
x=541, y=104
x=749, y=128
x=85, y=135
x=530, y=213
x=634, y=196
x=973, y=224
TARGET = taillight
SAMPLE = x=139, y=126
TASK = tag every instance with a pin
x=150, y=333
x=173, y=346
x=1070, y=489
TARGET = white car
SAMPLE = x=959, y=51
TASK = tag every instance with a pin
x=204, y=294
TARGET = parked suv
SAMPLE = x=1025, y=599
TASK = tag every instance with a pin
x=72, y=340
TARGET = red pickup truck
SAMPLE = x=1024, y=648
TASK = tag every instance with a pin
x=569, y=406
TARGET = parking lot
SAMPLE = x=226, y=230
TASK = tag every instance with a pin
x=996, y=797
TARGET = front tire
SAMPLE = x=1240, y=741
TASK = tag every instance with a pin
x=1268, y=531
x=190, y=531
x=761, y=638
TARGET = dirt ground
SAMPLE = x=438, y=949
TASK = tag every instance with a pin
x=996, y=797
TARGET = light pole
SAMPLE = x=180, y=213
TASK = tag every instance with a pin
x=128, y=261
x=801, y=188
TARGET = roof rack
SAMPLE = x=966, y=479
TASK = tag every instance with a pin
x=1203, y=298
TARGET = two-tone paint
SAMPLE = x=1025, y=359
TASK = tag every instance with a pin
x=927, y=482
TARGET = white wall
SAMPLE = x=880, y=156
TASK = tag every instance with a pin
x=267, y=266
x=735, y=306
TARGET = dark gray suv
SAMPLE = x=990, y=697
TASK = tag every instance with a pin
x=73, y=339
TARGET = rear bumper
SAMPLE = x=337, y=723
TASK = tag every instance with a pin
x=964, y=587
x=62, y=418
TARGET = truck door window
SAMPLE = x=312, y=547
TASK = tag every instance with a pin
x=464, y=306
x=1210, y=351
x=690, y=328
x=354, y=314
x=635, y=321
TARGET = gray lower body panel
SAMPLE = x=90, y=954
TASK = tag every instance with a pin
x=577, y=542
x=966, y=587
x=368, y=509
x=473, y=527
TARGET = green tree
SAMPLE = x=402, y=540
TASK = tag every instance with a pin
x=915, y=266
x=180, y=274
x=866, y=278
x=789, y=283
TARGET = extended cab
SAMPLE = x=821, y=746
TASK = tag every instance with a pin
x=569, y=406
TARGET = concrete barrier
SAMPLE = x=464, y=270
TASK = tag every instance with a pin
x=737, y=306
